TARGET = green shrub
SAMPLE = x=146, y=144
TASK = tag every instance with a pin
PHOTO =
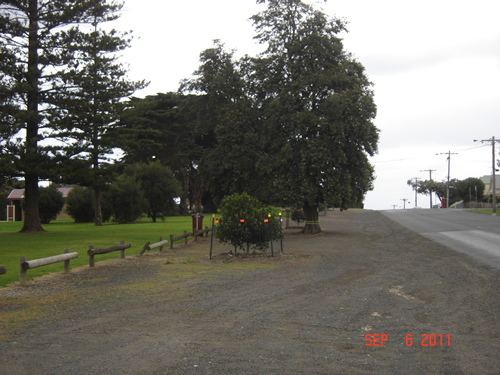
x=298, y=215
x=50, y=203
x=242, y=223
x=127, y=199
x=80, y=205
x=159, y=187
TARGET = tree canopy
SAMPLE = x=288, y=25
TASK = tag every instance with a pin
x=292, y=126
x=318, y=108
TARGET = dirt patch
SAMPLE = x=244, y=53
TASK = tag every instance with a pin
x=306, y=311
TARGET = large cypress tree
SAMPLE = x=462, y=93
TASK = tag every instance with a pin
x=231, y=164
x=318, y=107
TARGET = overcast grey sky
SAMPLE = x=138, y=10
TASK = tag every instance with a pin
x=435, y=65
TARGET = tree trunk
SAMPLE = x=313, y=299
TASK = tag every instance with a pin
x=197, y=190
x=97, y=208
x=31, y=217
x=312, y=220
x=197, y=201
x=183, y=206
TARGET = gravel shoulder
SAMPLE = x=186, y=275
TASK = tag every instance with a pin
x=308, y=311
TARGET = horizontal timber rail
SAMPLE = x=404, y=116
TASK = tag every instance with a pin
x=201, y=232
x=147, y=246
x=26, y=265
x=92, y=252
x=3, y=270
x=185, y=236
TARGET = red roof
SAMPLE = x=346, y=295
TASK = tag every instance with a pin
x=17, y=194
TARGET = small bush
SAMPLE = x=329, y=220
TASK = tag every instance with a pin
x=80, y=204
x=50, y=203
x=81, y=207
x=252, y=230
x=127, y=199
x=159, y=187
x=298, y=215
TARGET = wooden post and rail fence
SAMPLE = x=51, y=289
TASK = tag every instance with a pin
x=186, y=235
x=159, y=244
x=25, y=265
x=93, y=252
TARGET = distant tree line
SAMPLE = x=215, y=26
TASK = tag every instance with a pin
x=467, y=190
x=292, y=126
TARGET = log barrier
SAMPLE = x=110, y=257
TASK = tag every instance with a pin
x=185, y=236
x=3, y=270
x=92, y=252
x=147, y=246
x=25, y=265
x=202, y=232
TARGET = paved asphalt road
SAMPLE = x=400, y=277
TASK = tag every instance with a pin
x=477, y=235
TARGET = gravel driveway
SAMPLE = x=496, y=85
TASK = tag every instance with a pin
x=306, y=312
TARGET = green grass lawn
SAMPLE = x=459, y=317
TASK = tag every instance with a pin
x=65, y=234
x=482, y=211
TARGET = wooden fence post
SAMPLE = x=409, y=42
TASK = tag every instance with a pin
x=161, y=247
x=122, y=252
x=144, y=248
x=185, y=238
x=66, y=262
x=22, y=271
x=91, y=256
x=171, y=241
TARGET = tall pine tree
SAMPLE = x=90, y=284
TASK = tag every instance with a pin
x=92, y=106
x=39, y=46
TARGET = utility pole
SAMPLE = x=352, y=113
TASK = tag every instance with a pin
x=430, y=179
x=449, y=153
x=394, y=206
x=404, y=202
x=494, y=191
x=416, y=190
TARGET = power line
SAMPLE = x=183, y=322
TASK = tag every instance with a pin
x=426, y=156
x=395, y=160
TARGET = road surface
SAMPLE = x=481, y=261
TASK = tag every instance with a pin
x=477, y=235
